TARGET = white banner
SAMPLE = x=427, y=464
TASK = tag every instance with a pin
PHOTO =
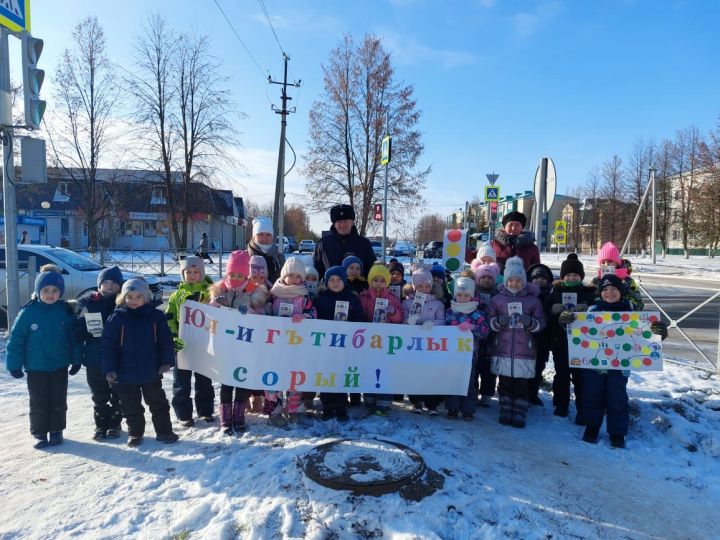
x=273, y=353
x=615, y=340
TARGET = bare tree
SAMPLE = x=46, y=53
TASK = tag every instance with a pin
x=87, y=91
x=663, y=179
x=611, y=191
x=361, y=103
x=430, y=227
x=590, y=210
x=686, y=164
x=707, y=218
x=636, y=179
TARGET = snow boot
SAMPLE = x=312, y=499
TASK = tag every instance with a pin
x=100, y=434
x=226, y=419
x=187, y=423
x=519, y=412
x=617, y=441
x=591, y=434
x=134, y=440
x=112, y=433
x=238, y=417
x=41, y=441
x=505, y=411
x=56, y=438
x=485, y=401
x=167, y=438
x=209, y=418
x=452, y=414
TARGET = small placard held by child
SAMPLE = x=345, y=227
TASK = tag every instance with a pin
x=569, y=299
x=285, y=310
x=396, y=290
x=342, y=308
x=604, y=270
x=617, y=340
x=311, y=287
x=515, y=310
x=416, y=308
x=94, y=324
x=380, y=313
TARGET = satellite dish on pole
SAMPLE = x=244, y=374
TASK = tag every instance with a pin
x=550, y=186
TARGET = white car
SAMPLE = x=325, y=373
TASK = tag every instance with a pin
x=306, y=245
x=80, y=273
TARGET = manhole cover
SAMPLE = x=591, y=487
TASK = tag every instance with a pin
x=363, y=466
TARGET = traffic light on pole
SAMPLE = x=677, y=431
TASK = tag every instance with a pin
x=493, y=211
x=378, y=212
x=32, y=80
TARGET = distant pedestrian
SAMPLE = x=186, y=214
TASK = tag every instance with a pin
x=203, y=248
x=25, y=238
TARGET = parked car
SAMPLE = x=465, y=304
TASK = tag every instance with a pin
x=79, y=272
x=401, y=249
x=306, y=245
x=376, y=247
x=433, y=250
x=292, y=244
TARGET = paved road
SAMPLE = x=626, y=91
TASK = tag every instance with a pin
x=678, y=296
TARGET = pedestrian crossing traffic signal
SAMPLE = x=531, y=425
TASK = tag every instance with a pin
x=33, y=79
x=378, y=212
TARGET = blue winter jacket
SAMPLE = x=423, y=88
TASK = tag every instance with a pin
x=42, y=338
x=135, y=343
x=92, y=302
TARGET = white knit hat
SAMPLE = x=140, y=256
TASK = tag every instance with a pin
x=293, y=266
x=464, y=284
x=485, y=250
x=262, y=224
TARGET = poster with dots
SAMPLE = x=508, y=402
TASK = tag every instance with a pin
x=454, y=249
x=615, y=340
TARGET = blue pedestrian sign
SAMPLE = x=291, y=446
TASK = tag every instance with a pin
x=492, y=193
x=15, y=15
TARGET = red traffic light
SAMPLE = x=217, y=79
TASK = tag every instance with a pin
x=378, y=212
x=493, y=206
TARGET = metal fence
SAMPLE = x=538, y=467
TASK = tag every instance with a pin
x=159, y=262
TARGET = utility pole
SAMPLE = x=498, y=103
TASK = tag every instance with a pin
x=652, y=235
x=279, y=204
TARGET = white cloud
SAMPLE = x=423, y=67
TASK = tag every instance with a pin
x=406, y=50
x=527, y=24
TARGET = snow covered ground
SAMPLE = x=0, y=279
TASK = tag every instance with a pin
x=538, y=482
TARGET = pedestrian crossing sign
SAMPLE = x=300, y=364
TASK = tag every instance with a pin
x=560, y=238
x=560, y=226
x=492, y=193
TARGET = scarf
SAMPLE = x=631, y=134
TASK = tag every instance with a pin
x=281, y=290
x=464, y=307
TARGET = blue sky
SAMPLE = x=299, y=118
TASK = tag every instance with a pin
x=500, y=83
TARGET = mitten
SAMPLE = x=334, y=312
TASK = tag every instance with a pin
x=556, y=309
x=566, y=317
x=465, y=326
x=195, y=297
x=179, y=344
x=163, y=369
x=74, y=369
x=580, y=308
x=659, y=328
x=427, y=325
x=17, y=373
x=503, y=321
x=111, y=377
x=526, y=320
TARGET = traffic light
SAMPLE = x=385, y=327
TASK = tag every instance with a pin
x=493, y=211
x=32, y=80
x=378, y=212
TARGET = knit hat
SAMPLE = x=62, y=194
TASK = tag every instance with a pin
x=379, y=270
x=491, y=270
x=611, y=280
x=341, y=211
x=239, y=263
x=420, y=276
x=437, y=270
x=464, y=284
x=258, y=264
x=192, y=260
x=310, y=271
x=609, y=252
x=540, y=270
x=515, y=268
x=396, y=266
x=351, y=259
x=572, y=265
x=262, y=224
x=137, y=285
x=110, y=274
x=293, y=266
x=49, y=279
x=514, y=216
x=485, y=250
x=338, y=271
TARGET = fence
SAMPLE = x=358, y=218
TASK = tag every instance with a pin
x=157, y=262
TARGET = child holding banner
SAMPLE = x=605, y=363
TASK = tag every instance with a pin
x=380, y=305
x=515, y=314
x=194, y=286
x=290, y=299
x=232, y=293
x=422, y=307
x=356, y=282
x=336, y=303
x=605, y=391
x=466, y=313
x=486, y=276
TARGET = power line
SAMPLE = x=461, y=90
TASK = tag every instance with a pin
x=240, y=39
x=267, y=16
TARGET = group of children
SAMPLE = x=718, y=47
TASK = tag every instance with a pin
x=126, y=344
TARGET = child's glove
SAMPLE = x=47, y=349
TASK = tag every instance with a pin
x=566, y=317
x=465, y=326
x=111, y=377
x=659, y=328
x=297, y=318
x=580, y=308
x=74, y=369
x=526, y=320
x=503, y=321
x=428, y=325
x=17, y=373
x=164, y=369
x=195, y=297
x=179, y=344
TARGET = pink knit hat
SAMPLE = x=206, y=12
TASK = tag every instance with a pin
x=238, y=263
x=420, y=276
x=609, y=252
x=482, y=270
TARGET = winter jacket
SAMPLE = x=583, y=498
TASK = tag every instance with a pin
x=357, y=286
x=586, y=294
x=513, y=349
x=477, y=318
x=432, y=310
x=334, y=247
x=522, y=245
x=632, y=293
x=367, y=300
x=274, y=259
x=42, y=339
x=135, y=343
x=240, y=298
x=92, y=302
x=325, y=305
x=302, y=305
x=186, y=291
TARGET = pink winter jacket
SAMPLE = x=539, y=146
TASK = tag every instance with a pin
x=367, y=301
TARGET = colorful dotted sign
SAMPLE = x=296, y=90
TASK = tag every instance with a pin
x=454, y=249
